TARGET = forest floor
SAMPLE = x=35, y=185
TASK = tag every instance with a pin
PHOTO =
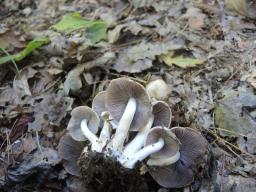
x=56, y=55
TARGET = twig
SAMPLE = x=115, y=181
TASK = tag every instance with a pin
x=218, y=138
x=38, y=142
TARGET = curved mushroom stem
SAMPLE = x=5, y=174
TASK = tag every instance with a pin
x=124, y=125
x=164, y=162
x=106, y=130
x=136, y=144
x=144, y=153
x=90, y=136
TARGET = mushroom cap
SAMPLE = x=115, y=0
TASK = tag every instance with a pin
x=162, y=114
x=158, y=89
x=176, y=175
x=69, y=151
x=98, y=103
x=118, y=93
x=193, y=145
x=77, y=115
x=171, y=143
x=99, y=106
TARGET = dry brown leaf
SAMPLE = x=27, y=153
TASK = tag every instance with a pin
x=250, y=77
x=195, y=18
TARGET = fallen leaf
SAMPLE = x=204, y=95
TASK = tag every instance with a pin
x=51, y=110
x=20, y=83
x=96, y=29
x=139, y=57
x=250, y=77
x=158, y=5
x=180, y=61
x=38, y=163
x=114, y=34
x=71, y=22
x=231, y=115
x=97, y=32
x=237, y=183
x=248, y=143
x=195, y=18
x=242, y=7
x=73, y=81
x=9, y=40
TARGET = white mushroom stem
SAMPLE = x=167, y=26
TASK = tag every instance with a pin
x=90, y=136
x=164, y=162
x=144, y=153
x=137, y=143
x=124, y=125
x=106, y=130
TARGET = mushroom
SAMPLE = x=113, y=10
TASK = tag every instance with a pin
x=172, y=154
x=98, y=103
x=84, y=125
x=158, y=89
x=161, y=117
x=176, y=175
x=105, y=133
x=179, y=174
x=129, y=104
x=193, y=144
x=69, y=151
x=169, y=154
x=99, y=106
x=85, y=116
x=162, y=114
x=161, y=145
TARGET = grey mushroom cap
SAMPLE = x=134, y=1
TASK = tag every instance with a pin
x=193, y=145
x=118, y=94
x=69, y=151
x=77, y=115
x=192, y=150
x=162, y=114
x=176, y=175
x=171, y=143
x=99, y=106
x=98, y=103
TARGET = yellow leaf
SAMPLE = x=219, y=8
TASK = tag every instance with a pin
x=180, y=61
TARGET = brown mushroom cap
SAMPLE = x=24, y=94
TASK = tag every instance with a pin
x=77, y=115
x=98, y=103
x=193, y=145
x=176, y=175
x=171, y=143
x=162, y=114
x=69, y=151
x=118, y=94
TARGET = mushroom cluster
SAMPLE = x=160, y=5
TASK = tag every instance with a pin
x=125, y=126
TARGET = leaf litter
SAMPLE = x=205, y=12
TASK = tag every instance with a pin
x=68, y=51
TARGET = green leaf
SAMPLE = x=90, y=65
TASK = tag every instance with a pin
x=31, y=46
x=180, y=61
x=97, y=31
x=71, y=22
